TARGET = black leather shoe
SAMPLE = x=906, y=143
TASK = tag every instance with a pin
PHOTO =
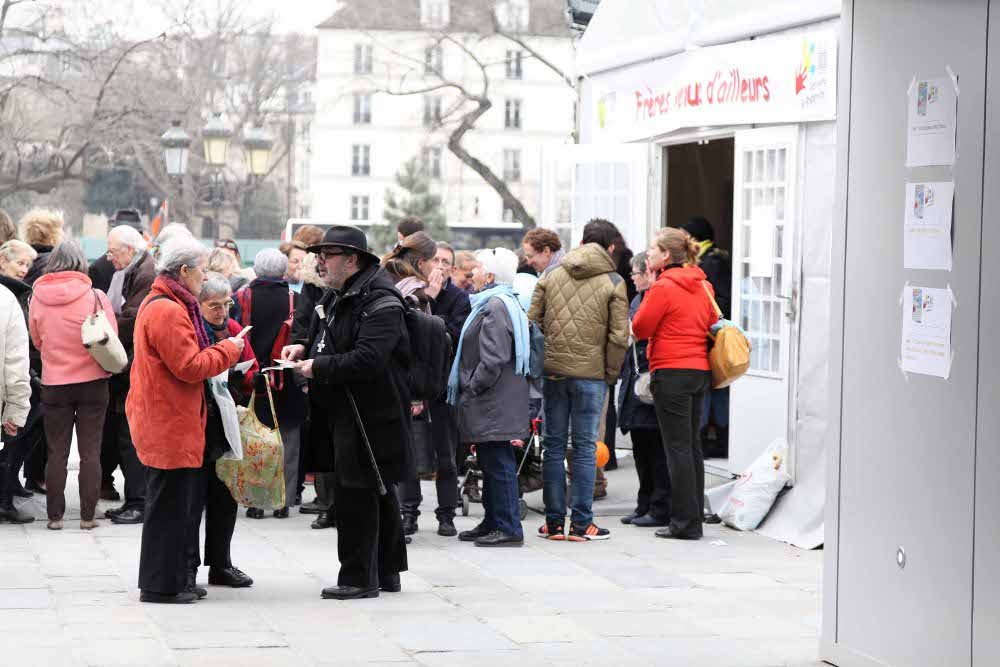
x=629, y=518
x=668, y=534
x=129, y=516
x=472, y=535
x=254, y=513
x=498, y=539
x=325, y=520
x=390, y=583
x=407, y=539
x=349, y=593
x=310, y=508
x=409, y=525
x=13, y=515
x=19, y=491
x=228, y=576
x=191, y=585
x=35, y=487
x=184, y=597
x=446, y=528
x=281, y=514
x=108, y=492
x=114, y=511
x=649, y=521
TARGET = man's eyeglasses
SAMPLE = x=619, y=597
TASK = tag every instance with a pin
x=326, y=254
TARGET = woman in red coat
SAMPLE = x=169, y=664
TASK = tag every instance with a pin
x=167, y=413
x=675, y=317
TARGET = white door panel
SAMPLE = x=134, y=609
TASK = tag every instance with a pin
x=766, y=172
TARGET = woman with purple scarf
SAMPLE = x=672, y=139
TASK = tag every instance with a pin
x=168, y=412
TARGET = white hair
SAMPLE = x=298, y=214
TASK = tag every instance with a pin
x=172, y=231
x=501, y=262
x=216, y=285
x=128, y=236
x=182, y=250
x=270, y=263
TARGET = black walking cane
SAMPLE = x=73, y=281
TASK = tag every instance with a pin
x=364, y=436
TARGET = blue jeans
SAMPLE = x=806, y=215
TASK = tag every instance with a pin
x=500, y=500
x=716, y=408
x=580, y=402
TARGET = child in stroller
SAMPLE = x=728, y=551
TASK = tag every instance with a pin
x=528, y=453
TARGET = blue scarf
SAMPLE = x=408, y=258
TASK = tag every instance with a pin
x=522, y=339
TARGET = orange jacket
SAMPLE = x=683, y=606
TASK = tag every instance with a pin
x=166, y=403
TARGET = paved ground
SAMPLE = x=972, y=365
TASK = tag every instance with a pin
x=733, y=599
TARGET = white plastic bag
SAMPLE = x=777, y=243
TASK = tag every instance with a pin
x=230, y=418
x=757, y=488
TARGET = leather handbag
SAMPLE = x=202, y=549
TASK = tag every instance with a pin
x=101, y=340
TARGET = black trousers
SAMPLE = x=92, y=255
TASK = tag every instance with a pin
x=653, y=497
x=444, y=437
x=611, y=428
x=14, y=452
x=110, y=458
x=116, y=431
x=220, y=521
x=678, y=395
x=173, y=513
x=370, y=540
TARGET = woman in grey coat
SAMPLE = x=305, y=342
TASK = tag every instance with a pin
x=489, y=386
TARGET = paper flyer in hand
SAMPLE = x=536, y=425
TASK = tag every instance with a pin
x=926, y=339
x=927, y=226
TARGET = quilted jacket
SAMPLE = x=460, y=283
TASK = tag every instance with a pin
x=582, y=308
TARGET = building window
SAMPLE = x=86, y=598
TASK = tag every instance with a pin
x=512, y=115
x=511, y=165
x=508, y=214
x=514, y=60
x=362, y=109
x=362, y=58
x=430, y=162
x=359, y=207
x=434, y=13
x=512, y=15
x=432, y=110
x=433, y=59
x=361, y=160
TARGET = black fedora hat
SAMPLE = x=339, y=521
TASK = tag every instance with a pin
x=344, y=236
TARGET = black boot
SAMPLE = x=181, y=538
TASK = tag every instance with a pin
x=191, y=585
x=7, y=510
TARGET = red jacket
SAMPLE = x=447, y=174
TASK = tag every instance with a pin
x=166, y=403
x=675, y=317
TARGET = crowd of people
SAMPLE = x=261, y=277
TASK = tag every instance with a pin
x=334, y=332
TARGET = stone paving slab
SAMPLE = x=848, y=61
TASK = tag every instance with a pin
x=70, y=598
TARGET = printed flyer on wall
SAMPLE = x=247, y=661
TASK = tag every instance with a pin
x=926, y=343
x=932, y=112
x=927, y=226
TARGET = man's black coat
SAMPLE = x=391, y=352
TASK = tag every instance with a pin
x=452, y=305
x=367, y=355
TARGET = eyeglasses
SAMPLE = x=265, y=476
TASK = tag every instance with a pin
x=228, y=245
x=225, y=305
x=326, y=254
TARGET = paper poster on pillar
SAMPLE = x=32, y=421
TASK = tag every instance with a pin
x=927, y=226
x=926, y=340
x=932, y=112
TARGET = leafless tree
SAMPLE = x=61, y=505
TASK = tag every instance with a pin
x=471, y=99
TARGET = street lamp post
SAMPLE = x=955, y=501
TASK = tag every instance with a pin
x=217, y=136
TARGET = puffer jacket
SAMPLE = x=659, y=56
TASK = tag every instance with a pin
x=582, y=308
x=15, y=390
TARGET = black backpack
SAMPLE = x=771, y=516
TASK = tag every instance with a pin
x=430, y=348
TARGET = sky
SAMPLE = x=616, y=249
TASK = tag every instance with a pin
x=142, y=17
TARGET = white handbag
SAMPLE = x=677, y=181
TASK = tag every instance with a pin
x=101, y=340
x=642, y=389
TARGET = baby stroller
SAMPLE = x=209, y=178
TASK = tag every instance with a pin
x=529, y=471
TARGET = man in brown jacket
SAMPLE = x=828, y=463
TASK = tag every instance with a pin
x=582, y=308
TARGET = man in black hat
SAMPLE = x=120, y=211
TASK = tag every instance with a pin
x=356, y=355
